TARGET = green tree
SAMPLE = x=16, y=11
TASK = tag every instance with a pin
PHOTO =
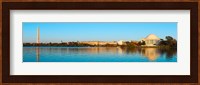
x=169, y=38
x=169, y=42
x=141, y=43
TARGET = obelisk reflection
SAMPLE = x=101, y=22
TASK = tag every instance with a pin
x=37, y=54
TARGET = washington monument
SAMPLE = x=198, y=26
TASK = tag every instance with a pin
x=38, y=35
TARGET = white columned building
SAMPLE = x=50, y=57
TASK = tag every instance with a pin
x=151, y=40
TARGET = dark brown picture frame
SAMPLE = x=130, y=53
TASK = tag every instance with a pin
x=192, y=6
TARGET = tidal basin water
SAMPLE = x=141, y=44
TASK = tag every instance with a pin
x=98, y=54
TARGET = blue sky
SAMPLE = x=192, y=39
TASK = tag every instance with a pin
x=96, y=31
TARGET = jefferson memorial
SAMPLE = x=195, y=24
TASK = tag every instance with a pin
x=151, y=40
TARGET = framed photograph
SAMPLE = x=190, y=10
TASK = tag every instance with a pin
x=100, y=42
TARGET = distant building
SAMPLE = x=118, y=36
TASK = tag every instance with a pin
x=112, y=43
x=102, y=43
x=151, y=40
x=90, y=42
x=98, y=42
x=120, y=42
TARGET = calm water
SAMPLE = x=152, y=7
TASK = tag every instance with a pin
x=98, y=54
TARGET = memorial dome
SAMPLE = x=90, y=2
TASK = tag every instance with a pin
x=152, y=37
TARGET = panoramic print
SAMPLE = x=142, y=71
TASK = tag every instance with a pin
x=99, y=41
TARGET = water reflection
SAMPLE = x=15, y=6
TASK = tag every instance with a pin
x=100, y=53
x=151, y=53
x=37, y=54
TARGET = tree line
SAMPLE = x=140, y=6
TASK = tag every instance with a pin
x=168, y=42
x=70, y=44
